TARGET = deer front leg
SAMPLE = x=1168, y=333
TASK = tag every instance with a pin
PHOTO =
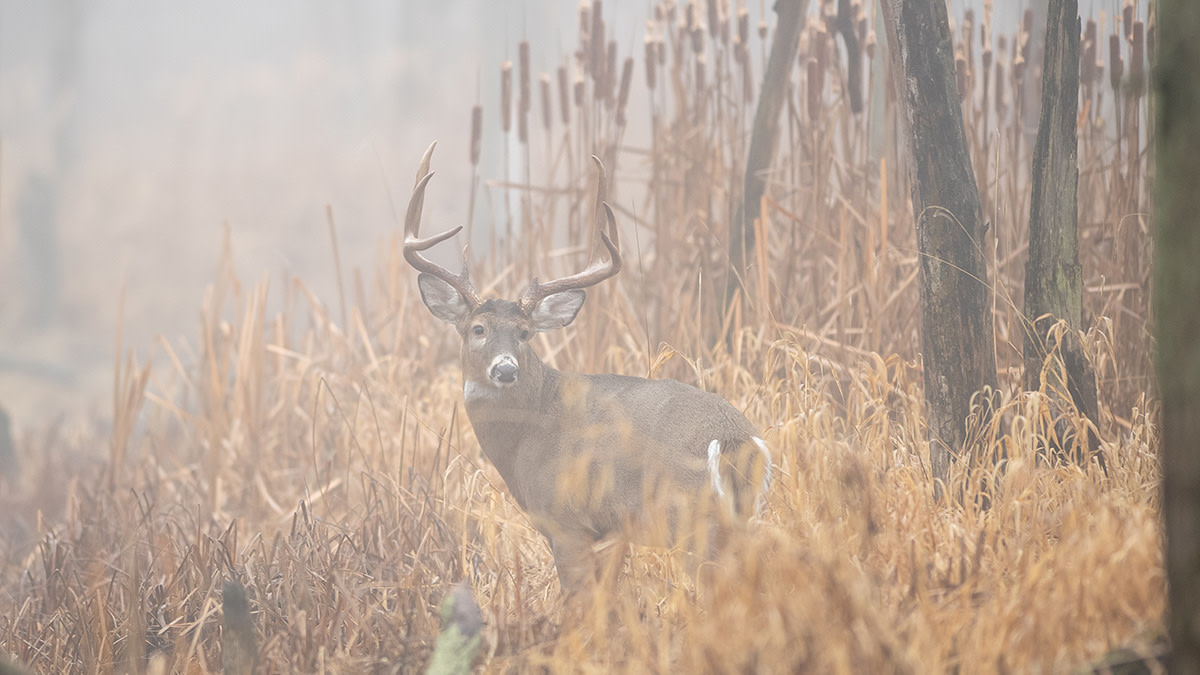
x=574, y=560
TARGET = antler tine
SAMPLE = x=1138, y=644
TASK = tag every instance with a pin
x=413, y=245
x=594, y=273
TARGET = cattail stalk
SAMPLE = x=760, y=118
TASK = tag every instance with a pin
x=564, y=96
x=506, y=96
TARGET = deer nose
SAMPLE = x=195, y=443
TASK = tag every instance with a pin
x=504, y=370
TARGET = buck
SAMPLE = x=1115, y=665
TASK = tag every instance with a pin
x=588, y=455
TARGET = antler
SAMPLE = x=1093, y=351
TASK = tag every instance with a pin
x=413, y=245
x=597, y=271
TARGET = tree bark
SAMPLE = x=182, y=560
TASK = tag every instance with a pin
x=957, y=341
x=1053, y=277
x=1177, y=316
x=765, y=135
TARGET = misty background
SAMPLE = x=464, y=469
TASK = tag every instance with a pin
x=132, y=133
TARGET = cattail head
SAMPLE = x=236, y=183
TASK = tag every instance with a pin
x=815, y=85
x=747, y=82
x=1137, y=59
x=476, y=133
x=524, y=76
x=1001, y=106
x=714, y=18
x=651, y=61
x=564, y=96
x=623, y=91
x=871, y=44
x=962, y=75
x=506, y=96
x=547, y=107
x=1127, y=20
x=697, y=34
x=762, y=29
x=596, y=43
x=1087, y=58
x=1116, y=65
x=743, y=31
x=610, y=73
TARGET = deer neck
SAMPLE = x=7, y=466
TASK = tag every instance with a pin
x=505, y=419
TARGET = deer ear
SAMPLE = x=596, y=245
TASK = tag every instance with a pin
x=558, y=310
x=442, y=300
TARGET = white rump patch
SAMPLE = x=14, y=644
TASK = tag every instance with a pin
x=714, y=466
x=760, y=502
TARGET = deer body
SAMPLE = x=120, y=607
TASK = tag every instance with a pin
x=588, y=455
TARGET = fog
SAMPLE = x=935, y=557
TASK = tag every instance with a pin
x=133, y=133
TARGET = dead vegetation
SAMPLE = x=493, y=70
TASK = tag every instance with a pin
x=318, y=455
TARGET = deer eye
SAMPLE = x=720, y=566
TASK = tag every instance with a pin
x=524, y=335
x=477, y=329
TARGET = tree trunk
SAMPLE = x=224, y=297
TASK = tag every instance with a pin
x=765, y=135
x=1053, y=278
x=1177, y=316
x=957, y=343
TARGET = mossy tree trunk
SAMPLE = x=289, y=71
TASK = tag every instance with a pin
x=1053, y=277
x=957, y=342
x=1177, y=316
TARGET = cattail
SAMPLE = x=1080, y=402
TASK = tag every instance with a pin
x=661, y=49
x=596, y=35
x=1137, y=58
x=713, y=18
x=579, y=84
x=1018, y=70
x=689, y=17
x=564, y=96
x=1000, y=104
x=610, y=73
x=651, y=61
x=700, y=79
x=1150, y=53
x=697, y=40
x=747, y=81
x=623, y=95
x=585, y=30
x=871, y=42
x=1026, y=32
x=815, y=84
x=725, y=28
x=743, y=32
x=762, y=29
x=522, y=125
x=968, y=31
x=961, y=75
x=1127, y=20
x=476, y=133
x=1087, y=60
x=506, y=96
x=1116, y=65
x=526, y=100
x=547, y=114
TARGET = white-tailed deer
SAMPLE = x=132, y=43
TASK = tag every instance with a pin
x=588, y=455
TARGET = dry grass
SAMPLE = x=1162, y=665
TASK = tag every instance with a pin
x=320, y=455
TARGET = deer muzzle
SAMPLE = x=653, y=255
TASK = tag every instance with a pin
x=503, y=372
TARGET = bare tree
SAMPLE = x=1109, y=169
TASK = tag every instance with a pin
x=957, y=341
x=1177, y=316
x=1053, y=277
